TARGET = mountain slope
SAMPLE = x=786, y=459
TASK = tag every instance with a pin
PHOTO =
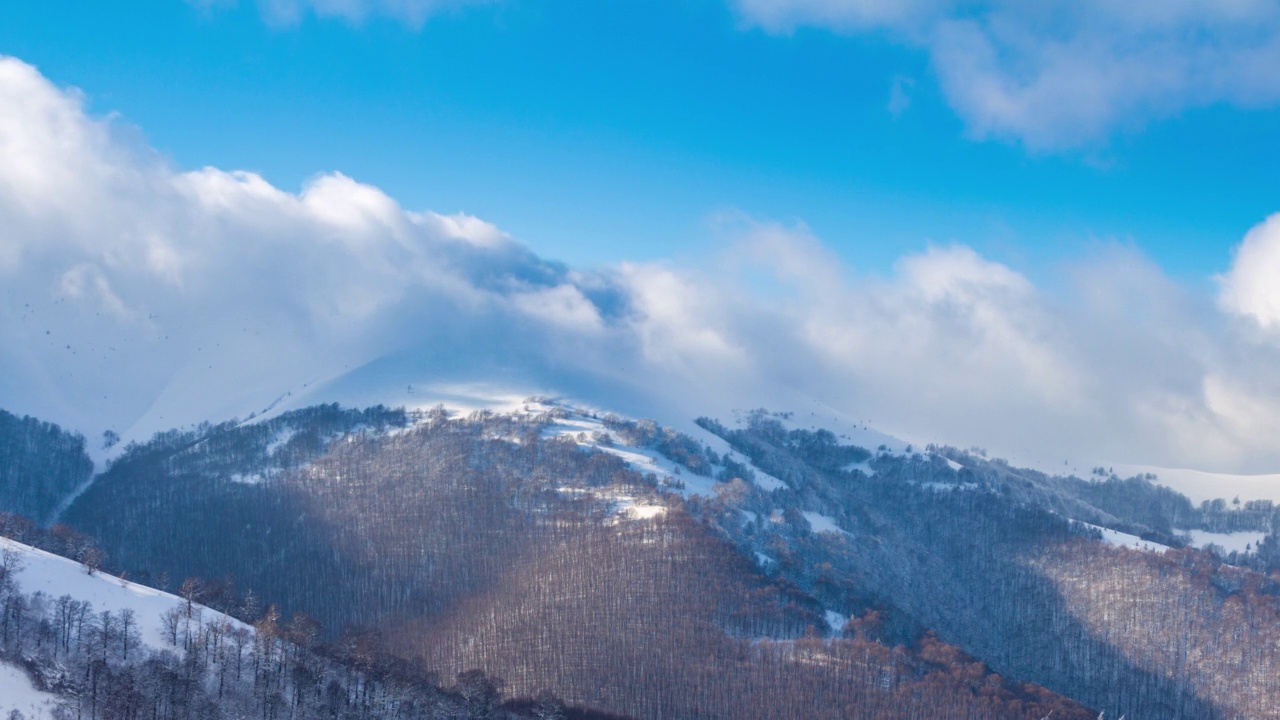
x=549, y=547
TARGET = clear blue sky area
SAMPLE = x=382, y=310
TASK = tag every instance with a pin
x=598, y=132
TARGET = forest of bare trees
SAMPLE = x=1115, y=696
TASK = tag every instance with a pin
x=478, y=543
x=212, y=666
x=489, y=543
x=40, y=466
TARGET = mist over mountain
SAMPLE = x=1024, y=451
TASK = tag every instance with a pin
x=141, y=296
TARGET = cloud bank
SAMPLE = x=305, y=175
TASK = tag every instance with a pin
x=141, y=296
x=1066, y=73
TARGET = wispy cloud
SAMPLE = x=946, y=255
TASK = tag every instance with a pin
x=139, y=294
x=1066, y=73
x=287, y=12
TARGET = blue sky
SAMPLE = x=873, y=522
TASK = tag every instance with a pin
x=597, y=132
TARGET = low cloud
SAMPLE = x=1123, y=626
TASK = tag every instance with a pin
x=1065, y=74
x=141, y=296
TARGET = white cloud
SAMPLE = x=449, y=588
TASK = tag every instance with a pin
x=140, y=295
x=287, y=12
x=125, y=278
x=1066, y=73
x=1252, y=287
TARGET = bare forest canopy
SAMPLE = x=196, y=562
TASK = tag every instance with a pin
x=817, y=578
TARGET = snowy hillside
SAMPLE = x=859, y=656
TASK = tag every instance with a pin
x=40, y=574
x=1200, y=486
x=55, y=576
x=18, y=693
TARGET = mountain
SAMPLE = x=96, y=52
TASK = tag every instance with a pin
x=757, y=566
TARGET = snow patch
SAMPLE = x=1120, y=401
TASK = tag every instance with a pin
x=251, y=478
x=765, y=480
x=835, y=621
x=1244, y=541
x=281, y=439
x=863, y=467
x=1122, y=539
x=639, y=510
x=17, y=693
x=820, y=523
x=818, y=415
x=590, y=432
x=948, y=487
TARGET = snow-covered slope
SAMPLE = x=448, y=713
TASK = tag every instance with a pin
x=56, y=576
x=1201, y=486
x=18, y=693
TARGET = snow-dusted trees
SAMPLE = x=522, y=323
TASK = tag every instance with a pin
x=480, y=543
x=195, y=678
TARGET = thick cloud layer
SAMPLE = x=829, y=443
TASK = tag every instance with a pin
x=138, y=296
x=1066, y=73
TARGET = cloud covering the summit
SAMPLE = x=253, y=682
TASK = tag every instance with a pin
x=137, y=294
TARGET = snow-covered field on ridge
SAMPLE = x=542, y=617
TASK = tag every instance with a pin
x=56, y=576
x=1200, y=486
x=818, y=415
x=1244, y=541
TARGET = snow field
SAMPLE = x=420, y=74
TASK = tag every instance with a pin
x=57, y=576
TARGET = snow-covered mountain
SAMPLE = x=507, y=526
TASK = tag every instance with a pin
x=456, y=531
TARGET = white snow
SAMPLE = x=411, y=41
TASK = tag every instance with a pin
x=947, y=487
x=820, y=523
x=1243, y=541
x=835, y=621
x=643, y=511
x=56, y=576
x=589, y=431
x=280, y=440
x=818, y=415
x=953, y=464
x=722, y=447
x=1122, y=539
x=17, y=693
x=1200, y=486
x=622, y=505
x=864, y=467
x=763, y=560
